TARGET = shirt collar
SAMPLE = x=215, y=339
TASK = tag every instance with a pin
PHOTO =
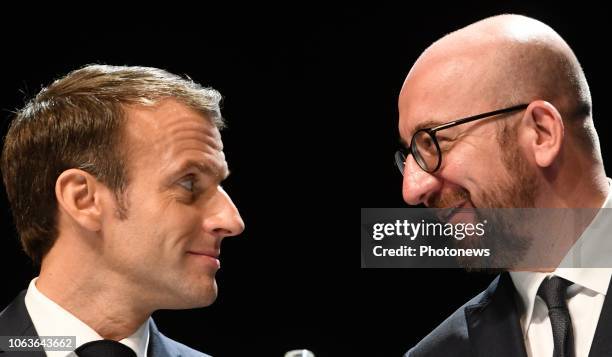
x=594, y=248
x=50, y=319
x=527, y=284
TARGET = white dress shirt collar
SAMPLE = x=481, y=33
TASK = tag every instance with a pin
x=50, y=319
x=591, y=247
x=527, y=285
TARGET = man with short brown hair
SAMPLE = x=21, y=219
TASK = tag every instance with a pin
x=113, y=175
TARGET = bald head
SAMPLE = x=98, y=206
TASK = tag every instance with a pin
x=498, y=62
x=545, y=154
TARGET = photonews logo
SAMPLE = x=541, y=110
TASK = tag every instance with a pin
x=425, y=237
x=411, y=230
x=483, y=238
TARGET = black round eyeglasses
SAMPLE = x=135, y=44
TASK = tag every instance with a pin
x=424, y=146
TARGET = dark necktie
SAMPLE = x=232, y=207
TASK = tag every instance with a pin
x=104, y=348
x=552, y=291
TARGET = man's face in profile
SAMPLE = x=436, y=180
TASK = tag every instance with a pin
x=482, y=166
x=177, y=214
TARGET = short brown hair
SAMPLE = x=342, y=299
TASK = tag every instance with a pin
x=77, y=122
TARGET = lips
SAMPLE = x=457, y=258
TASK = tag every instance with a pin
x=209, y=258
x=209, y=253
x=446, y=214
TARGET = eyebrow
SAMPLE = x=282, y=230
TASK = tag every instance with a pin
x=422, y=125
x=427, y=124
x=205, y=167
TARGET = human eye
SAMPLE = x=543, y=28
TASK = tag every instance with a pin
x=188, y=183
x=444, y=142
x=426, y=142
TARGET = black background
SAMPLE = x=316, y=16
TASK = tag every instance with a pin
x=310, y=100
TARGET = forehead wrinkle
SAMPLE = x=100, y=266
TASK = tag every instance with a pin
x=146, y=131
x=188, y=144
x=184, y=138
x=191, y=152
x=205, y=164
x=201, y=128
x=217, y=168
x=192, y=124
x=174, y=144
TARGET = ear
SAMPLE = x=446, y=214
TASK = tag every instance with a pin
x=76, y=194
x=545, y=134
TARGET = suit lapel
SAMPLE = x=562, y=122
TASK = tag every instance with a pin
x=493, y=323
x=602, y=343
x=15, y=321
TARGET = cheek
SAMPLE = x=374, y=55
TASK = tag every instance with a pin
x=477, y=159
x=460, y=168
x=173, y=232
x=152, y=232
x=474, y=169
x=180, y=217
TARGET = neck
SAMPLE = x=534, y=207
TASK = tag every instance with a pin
x=577, y=183
x=102, y=300
x=571, y=202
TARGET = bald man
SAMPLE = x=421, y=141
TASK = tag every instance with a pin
x=535, y=146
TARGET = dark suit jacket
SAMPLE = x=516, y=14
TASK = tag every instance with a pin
x=15, y=321
x=489, y=325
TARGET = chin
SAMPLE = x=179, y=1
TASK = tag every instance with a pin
x=207, y=298
x=203, y=295
x=192, y=295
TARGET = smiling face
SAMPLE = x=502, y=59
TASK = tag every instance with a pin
x=532, y=158
x=168, y=243
x=482, y=166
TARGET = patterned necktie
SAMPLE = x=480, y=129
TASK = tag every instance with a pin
x=552, y=291
x=104, y=348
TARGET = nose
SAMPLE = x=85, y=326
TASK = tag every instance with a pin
x=224, y=220
x=418, y=185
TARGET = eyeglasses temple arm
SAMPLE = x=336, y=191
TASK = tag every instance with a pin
x=479, y=116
